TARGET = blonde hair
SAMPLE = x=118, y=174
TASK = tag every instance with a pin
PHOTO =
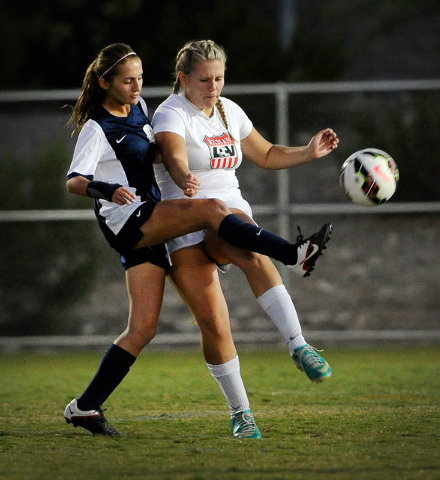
x=106, y=65
x=194, y=52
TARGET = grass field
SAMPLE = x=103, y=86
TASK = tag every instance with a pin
x=377, y=418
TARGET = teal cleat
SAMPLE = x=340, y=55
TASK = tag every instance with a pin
x=244, y=426
x=308, y=360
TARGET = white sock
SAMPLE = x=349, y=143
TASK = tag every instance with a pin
x=277, y=303
x=229, y=379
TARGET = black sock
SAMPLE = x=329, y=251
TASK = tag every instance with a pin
x=114, y=367
x=250, y=237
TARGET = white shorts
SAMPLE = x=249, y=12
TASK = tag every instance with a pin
x=195, y=238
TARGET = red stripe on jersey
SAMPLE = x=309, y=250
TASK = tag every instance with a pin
x=230, y=162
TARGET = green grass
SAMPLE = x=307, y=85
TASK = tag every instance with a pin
x=378, y=417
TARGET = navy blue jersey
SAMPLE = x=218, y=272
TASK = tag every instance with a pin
x=133, y=148
x=118, y=150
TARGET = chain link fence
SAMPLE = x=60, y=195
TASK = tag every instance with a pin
x=380, y=274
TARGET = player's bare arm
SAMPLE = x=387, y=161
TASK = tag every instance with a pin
x=175, y=159
x=79, y=185
x=277, y=157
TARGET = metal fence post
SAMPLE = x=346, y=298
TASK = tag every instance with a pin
x=282, y=138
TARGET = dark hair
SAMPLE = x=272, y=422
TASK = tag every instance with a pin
x=105, y=65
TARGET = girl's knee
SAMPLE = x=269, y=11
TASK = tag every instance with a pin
x=248, y=259
x=141, y=337
x=217, y=205
x=220, y=331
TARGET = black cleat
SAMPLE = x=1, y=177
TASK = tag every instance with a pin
x=309, y=250
x=92, y=420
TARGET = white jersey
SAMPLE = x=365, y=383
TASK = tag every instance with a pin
x=213, y=154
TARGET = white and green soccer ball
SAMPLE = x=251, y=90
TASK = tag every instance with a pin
x=369, y=177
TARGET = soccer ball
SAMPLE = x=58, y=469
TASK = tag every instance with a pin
x=369, y=177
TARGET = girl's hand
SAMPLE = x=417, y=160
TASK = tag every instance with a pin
x=191, y=185
x=323, y=143
x=123, y=196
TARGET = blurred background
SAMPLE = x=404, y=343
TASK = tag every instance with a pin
x=381, y=273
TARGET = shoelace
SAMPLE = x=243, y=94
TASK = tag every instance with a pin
x=313, y=359
x=105, y=421
x=246, y=422
x=300, y=236
x=301, y=242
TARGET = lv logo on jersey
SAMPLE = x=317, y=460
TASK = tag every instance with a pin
x=222, y=150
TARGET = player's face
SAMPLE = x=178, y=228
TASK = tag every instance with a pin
x=204, y=84
x=124, y=88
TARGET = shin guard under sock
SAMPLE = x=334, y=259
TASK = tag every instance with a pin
x=114, y=367
x=248, y=236
x=229, y=379
x=277, y=303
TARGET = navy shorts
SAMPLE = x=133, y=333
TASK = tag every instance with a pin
x=156, y=254
x=129, y=236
